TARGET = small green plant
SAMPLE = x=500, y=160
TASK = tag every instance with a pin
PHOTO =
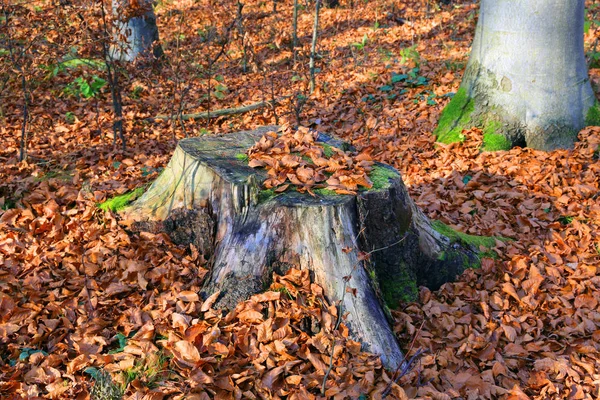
x=593, y=58
x=565, y=219
x=427, y=95
x=7, y=204
x=386, y=54
x=149, y=170
x=361, y=45
x=85, y=88
x=285, y=291
x=588, y=23
x=26, y=352
x=218, y=92
x=455, y=65
x=243, y=157
x=72, y=61
x=411, y=79
x=104, y=388
x=122, y=340
x=410, y=54
x=70, y=117
x=136, y=92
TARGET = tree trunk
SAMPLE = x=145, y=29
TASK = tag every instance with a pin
x=136, y=33
x=526, y=82
x=358, y=248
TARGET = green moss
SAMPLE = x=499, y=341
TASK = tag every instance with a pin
x=400, y=288
x=57, y=174
x=455, y=117
x=593, y=116
x=327, y=150
x=243, y=157
x=477, y=242
x=380, y=176
x=488, y=254
x=324, y=192
x=119, y=202
x=266, y=195
x=492, y=140
x=460, y=237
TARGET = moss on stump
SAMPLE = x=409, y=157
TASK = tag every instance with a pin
x=117, y=203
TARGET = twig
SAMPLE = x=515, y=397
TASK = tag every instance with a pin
x=404, y=371
x=403, y=368
x=218, y=113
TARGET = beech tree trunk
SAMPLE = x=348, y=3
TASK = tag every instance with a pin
x=207, y=195
x=526, y=82
x=136, y=33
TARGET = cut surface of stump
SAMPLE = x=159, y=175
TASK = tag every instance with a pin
x=360, y=249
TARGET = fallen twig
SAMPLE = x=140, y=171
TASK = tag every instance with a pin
x=217, y=113
x=404, y=367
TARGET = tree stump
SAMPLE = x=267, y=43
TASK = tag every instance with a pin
x=207, y=195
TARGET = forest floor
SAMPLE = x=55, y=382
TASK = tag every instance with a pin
x=80, y=295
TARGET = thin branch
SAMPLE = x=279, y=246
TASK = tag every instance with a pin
x=403, y=368
x=217, y=113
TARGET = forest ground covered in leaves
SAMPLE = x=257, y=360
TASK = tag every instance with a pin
x=81, y=296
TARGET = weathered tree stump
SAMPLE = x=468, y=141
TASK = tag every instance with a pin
x=208, y=195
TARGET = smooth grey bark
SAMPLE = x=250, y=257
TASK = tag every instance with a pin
x=527, y=72
x=136, y=33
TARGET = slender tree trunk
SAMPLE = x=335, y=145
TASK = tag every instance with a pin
x=113, y=83
x=240, y=24
x=526, y=82
x=364, y=251
x=136, y=32
x=313, y=48
x=295, y=30
x=23, y=146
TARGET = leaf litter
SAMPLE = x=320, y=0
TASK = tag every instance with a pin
x=80, y=292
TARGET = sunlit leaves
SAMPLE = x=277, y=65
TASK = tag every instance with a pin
x=296, y=158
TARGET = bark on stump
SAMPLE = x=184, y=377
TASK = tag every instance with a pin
x=209, y=196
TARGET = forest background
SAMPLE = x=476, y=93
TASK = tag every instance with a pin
x=85, y=303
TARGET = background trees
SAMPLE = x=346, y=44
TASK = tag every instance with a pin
x=79, y=289
x=135, y=30
x=526, y=82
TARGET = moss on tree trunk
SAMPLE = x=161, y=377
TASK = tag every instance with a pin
x=526, y=82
